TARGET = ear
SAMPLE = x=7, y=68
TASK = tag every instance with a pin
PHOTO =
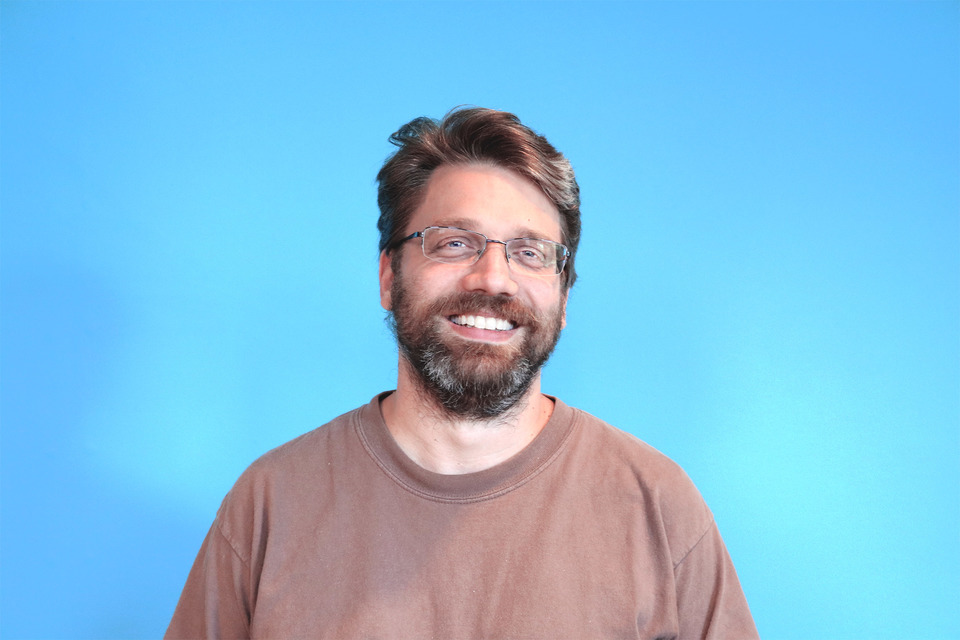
x=386, y=281
x=563, y=310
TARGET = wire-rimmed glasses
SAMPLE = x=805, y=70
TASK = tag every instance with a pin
x=453, y=245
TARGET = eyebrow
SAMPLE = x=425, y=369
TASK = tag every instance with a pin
x=470, y=224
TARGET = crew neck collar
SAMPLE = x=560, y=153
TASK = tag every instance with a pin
x=466, y=487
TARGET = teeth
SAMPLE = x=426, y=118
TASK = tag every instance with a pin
x=482, y=322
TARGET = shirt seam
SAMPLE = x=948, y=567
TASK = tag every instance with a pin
x=695, y=544
x=247, y=569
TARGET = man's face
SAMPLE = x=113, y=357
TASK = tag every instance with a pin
x=475, y=371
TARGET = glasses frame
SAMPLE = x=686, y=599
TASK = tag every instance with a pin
x=561, y=262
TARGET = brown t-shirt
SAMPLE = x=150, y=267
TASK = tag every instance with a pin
x=586, y=533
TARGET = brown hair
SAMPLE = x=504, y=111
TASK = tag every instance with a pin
x=468, y=135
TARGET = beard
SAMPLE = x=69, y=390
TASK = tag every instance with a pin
x=467, y=379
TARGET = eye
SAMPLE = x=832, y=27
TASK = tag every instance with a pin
x=452, y=244
x=530, y=253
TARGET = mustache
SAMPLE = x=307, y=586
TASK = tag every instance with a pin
x=474, y=303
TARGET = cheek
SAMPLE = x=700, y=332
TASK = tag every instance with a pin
x=547, y=295
x=430, y=279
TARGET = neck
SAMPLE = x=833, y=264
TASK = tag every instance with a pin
x=447, y=444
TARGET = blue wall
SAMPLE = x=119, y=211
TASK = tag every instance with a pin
x=769, y=292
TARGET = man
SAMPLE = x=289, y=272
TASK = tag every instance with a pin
x=467, y=504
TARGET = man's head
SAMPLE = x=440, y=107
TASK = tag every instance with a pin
x=476, y=313
x=474, y=136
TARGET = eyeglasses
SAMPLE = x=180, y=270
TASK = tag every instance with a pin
x=460, y=246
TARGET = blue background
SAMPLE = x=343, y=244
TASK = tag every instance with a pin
x=769, y=276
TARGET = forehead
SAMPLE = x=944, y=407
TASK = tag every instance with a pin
x=492, y=200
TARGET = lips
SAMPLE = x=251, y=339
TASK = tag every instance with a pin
x=491, y=323
x=473, y=310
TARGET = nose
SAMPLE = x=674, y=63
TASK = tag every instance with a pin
x=491, y=274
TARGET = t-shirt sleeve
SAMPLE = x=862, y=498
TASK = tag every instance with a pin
x=215, y=602
x=710, y=601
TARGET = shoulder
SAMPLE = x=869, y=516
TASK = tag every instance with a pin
x=309, y=462
x=286, y=482
x=309, y=449
x=612, y=445
x=658, y=485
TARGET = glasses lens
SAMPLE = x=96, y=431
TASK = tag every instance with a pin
x=532, y=255
x=446, y=244
x=541, y=257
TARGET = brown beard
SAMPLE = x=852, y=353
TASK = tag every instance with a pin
x=472, y=379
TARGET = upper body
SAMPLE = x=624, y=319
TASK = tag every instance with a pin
x=588, y=531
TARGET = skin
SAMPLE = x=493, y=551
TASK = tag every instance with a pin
x=501, y=205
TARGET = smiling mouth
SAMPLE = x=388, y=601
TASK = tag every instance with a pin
x=482, y=322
